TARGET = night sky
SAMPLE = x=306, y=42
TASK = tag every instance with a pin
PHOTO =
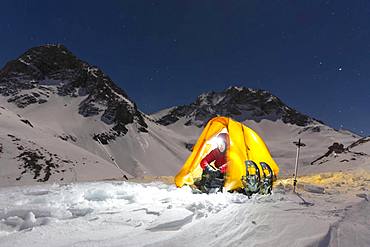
x=314, y=55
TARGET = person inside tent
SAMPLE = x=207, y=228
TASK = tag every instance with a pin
x=213, y=176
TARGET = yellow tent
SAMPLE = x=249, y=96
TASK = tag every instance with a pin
x=245, y=144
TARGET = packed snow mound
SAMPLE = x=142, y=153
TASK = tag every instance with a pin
x=157, y=214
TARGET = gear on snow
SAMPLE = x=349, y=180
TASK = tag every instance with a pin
x=212, y=181
x=252, y=181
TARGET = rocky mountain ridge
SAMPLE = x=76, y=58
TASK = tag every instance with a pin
x=240, y=103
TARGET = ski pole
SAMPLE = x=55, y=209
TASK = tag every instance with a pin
x=111, y=157
x=299, y=144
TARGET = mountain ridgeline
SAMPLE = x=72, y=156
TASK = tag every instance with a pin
x=240, y=103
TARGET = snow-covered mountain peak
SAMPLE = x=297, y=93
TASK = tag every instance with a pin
x=240, y=103
x=45, y=72
x=52, y=65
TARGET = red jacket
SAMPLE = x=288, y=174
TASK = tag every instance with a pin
x=216, y=156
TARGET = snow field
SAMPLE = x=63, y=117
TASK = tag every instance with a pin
x=156, y=214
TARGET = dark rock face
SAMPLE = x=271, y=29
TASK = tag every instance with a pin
x=337, y=149
x=312, y=129
x=23, y=100
x=54, y=65
x=34, y=162
x=47, y=64
x=359, y=142
x=66, y=137
x=106, y=137
x=189, y=146
x=239, y=103
x=27, y=122
x=37, y=161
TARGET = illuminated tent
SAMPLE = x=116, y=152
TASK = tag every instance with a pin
x=245, y=144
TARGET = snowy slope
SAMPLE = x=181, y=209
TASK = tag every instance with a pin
x=332, y=209
x=361, y=146
x=29, y=154
x=342, y=158
x=135, y=152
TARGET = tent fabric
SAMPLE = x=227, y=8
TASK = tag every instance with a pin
x=245, y=144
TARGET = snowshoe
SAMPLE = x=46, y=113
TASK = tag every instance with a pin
x=250, y=181
x=266, y=184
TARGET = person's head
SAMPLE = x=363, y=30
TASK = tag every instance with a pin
x=222, y=142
